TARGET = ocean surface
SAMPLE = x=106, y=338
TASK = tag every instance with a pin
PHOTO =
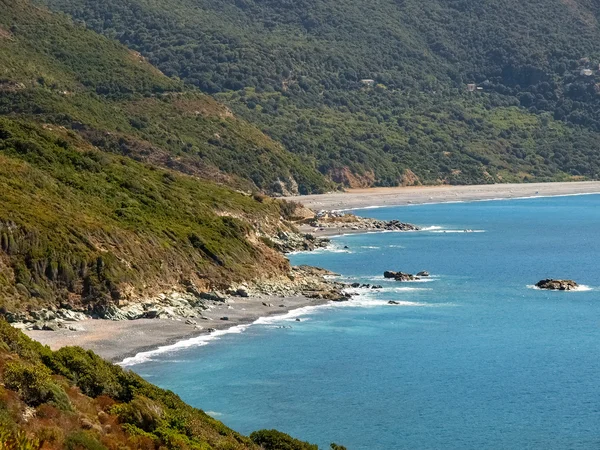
x=471, y=358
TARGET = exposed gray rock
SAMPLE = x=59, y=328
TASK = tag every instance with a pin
x=423, y=273
x=242, y=291
x=215, y=296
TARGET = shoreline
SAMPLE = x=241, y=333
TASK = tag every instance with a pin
x=382, y=197
x=119, y=340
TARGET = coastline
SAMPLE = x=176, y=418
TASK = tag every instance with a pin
x=415, y=195
x=117, y=340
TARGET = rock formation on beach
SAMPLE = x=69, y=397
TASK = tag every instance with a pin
x=349, y=222
x=557, y=285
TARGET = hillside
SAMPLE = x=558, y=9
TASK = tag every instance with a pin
x=107, y=175
x=300, y=71
x=54, y=72
x=71, y=399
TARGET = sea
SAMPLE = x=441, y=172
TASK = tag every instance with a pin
x=472, y=357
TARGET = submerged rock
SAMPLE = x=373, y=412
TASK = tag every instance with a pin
x=393, y=302
x=557, y=285
x=423, y=273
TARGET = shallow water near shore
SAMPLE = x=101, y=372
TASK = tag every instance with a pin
x=470, y=358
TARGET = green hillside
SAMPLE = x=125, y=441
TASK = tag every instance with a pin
x=108, y=170
x=54, y=72
x=296, y=69
x=72, y=399
x=83, y=227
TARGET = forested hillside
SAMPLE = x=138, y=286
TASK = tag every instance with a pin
x=377, y=92
x=54, y=72
x=104, y=164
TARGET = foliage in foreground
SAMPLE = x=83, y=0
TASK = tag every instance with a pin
x=101, y=406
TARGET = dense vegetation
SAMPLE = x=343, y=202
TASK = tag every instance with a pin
x=85, y=227
x=54, y=72
x=72, y=399
x=295, y=68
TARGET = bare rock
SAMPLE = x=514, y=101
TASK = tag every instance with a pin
x=557, y=285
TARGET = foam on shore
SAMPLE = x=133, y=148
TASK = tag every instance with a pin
x=367, y=298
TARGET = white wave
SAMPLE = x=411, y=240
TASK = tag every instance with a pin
x=381, y=278
x=214, y=413
x=329, y=249
x=370, y=247
x=432, y=227
x=580, y=288
x=458, y=231
x=396, y=246
x=204, y=339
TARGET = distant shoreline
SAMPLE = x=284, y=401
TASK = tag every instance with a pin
x=414, y=195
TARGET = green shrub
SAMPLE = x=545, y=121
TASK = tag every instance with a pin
x=17, y=441
x=276, y=440
x=34, y=384
x=141, y=412
x=83, y=440
x=88, y=371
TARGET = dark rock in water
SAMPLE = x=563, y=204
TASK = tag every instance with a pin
x=355, y=285
x=393, y=302
x=367, y=286
x=557, y=285
x=346, y=247
x=423, y=273
x=297, y=320
x=377, y=286
x=389, y=274
x=401, y=276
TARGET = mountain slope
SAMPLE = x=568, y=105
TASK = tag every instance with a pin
x=52, y=71
x=107, y=171
x=84, y=228
x=295, y=69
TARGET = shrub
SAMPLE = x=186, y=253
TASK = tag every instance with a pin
x=89, y=372
x=141, y=412
x=83, y=440
x=276, y=440
x=34, y=385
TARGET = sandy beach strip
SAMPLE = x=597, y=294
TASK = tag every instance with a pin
x=117, y=340
x=397, y=196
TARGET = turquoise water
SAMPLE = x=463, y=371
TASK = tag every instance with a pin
x=472, y=359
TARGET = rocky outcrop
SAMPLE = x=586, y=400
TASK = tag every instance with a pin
x=310, y=282
x=557, y=285
x=400, y=276
x=290, y=241
x=349, y=222
x=423, y=273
